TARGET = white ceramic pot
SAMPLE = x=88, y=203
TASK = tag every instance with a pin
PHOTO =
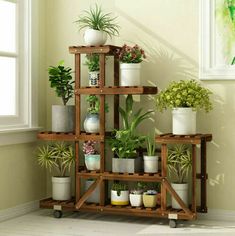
x=63, y=118
x=92, y=161
x=61, y=188
x=121, y=200
x=94, y=77
x=94, y=37
x=182, y=191
x=183, y=121
x=95, y=196
x=92, y=123
x=136, y=200
x=130, y=74
x=150, y=164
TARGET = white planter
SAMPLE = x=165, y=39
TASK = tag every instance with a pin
x=136, y=200
x=183, y=121
x=121, y=200
x=92, y=162
x=130, y=74
x=95, y=196
x=182, y=191
x=92, y=123
x=150, y=164
x=94, y=77
x=94, y=37
x=61, y=188
x=125, y=165
x=63, y=118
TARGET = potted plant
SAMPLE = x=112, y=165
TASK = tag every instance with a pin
x=150, y=160
x=92, y=158
x=125, y=142
x=179, y=164
x=151, y=197
x=92, y=120
x=59, y=157
x=95, y=196
x=98, y=25
x=136, y=195
x=92, y=62
x=62, y=115
x=130, y=58
x=119, y=194
x=184, y=97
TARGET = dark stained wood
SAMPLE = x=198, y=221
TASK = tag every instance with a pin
x=194, y=206
x=116, y=96
x=164, y=175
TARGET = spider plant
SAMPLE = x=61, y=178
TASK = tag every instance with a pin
x=97, y=20
x=179, y=162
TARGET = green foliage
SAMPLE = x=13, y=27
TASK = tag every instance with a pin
x=61, y=80
x=125, y=142
x=97, y=20
x=179, y=162
x=119, y=187
x=58, y=156
x=92, y=61
x=94, y=105
x=185, y=93
x=150, y=145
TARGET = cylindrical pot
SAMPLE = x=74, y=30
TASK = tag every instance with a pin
x=136, y=200
x=61, y=188
x=63, y=118
x=95, y=196
x=92, y=161
x=182, y=191
x=94, y=77
x=150, y=164
x=183, y=121
x=150, y=200
x=120, y=200
x=130, y=74
x=94, y=37
x=92, y=123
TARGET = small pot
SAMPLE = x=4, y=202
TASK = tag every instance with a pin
x=150, y=164
x=150, y=200
x=121, y=200
x=92, y=161
x=136, y=200
x=92, y=123
x=94, y=37
x=94, y=77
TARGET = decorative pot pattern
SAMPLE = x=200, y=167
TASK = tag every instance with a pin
x=94, y=77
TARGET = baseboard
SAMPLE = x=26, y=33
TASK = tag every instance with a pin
x=18, y=210
x=218, y=214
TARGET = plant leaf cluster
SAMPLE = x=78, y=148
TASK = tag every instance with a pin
x=184, y=93
x=119, y=187
x=97, y=20
x=179, y=162
x=61, y=80
x=58, y=156
x=94, y=105
x=92, y=61
x=150, y=145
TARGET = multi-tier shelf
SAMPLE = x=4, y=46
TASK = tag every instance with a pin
x=78, y=203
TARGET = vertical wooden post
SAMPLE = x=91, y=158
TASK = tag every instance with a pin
x=116, y=97
x=194, y=207
x=164, y=175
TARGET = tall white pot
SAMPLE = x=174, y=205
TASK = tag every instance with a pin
x=183, y=121
x=94, y=37
x=61, y=188
x=182, y=191
x=63, y=118
x=130, y=74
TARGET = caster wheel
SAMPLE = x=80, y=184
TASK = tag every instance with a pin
x=172, y=223
x=57, y=214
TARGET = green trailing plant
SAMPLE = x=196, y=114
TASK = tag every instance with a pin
x=58, y=156
x=92, y=61
x=150, y=145
x=125, y=142
x=96, y=19
x=179, y=162
x=94, y=104
x=61, y=80
x=184, y=93
x=119, y=187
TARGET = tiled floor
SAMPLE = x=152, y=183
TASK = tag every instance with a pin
x=42, y=223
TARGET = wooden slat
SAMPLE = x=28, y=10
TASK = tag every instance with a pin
x=117, y=90
x=164, y=174
x=53, y=136
x=194, y=178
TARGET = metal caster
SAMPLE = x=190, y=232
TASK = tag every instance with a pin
x=57, y=214
x=172, y=224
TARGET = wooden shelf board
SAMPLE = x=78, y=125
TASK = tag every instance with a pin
x=187, y=139
x=117, y=90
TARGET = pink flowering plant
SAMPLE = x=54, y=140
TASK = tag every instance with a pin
x=128, y=54
x=89, y=148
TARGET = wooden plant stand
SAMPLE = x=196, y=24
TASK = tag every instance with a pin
x=101, y=177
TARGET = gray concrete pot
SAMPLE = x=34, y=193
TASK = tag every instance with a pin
x=126, y=165
x=63, y=118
